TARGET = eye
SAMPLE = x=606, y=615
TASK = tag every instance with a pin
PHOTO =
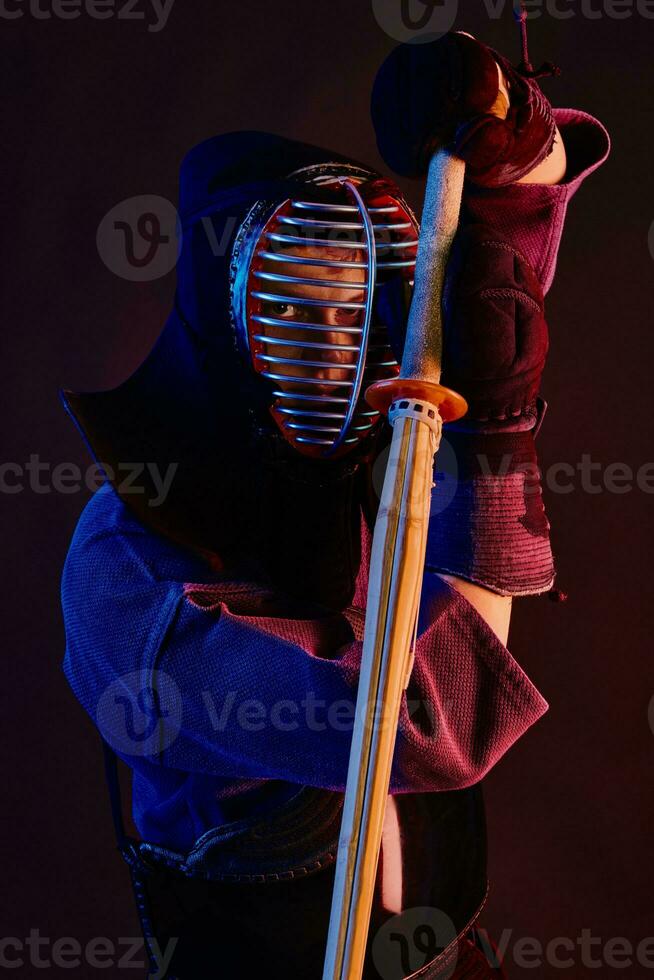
x=347, y=316
x=285, y=311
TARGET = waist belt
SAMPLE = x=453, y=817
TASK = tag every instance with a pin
x=261, y=887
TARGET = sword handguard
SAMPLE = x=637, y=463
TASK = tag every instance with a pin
x=383, y=394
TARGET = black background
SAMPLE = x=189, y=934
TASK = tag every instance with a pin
x=98, y=111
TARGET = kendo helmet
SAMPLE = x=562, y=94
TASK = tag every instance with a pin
x=305, y=275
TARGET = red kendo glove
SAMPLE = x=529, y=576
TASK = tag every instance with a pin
x=488, y=523
x=441, y=93
x=495, y=337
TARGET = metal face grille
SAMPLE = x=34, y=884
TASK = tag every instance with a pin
x=304, y=287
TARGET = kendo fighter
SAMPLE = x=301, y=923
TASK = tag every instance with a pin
x=214, y=634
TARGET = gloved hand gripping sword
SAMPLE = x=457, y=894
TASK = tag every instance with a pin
x=453, y=87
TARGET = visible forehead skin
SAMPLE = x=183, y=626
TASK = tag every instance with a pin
x=354, y=273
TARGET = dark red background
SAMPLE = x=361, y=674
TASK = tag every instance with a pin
x=98, y=111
